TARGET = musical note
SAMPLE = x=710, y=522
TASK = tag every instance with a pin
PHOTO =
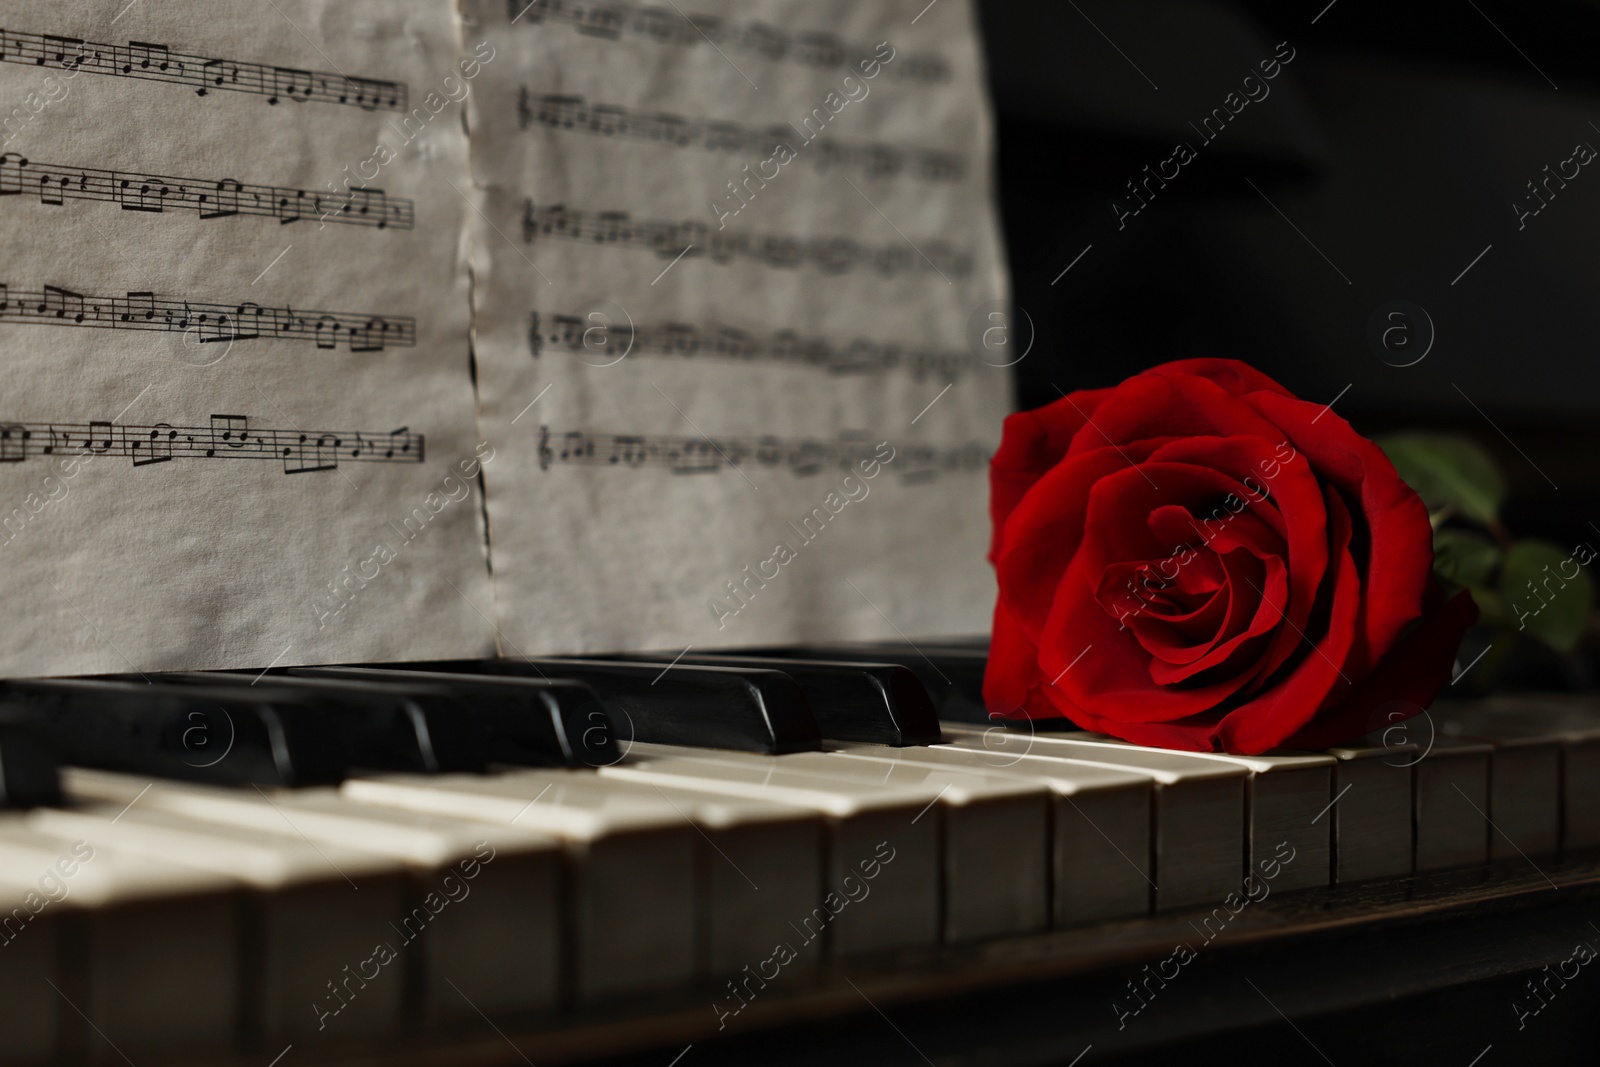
x=312, y=452
x=835, y=255
x=157, y=445
x=602, y=20
x=608, y=20
x=724, y=136
x=327, y=333
x=613, y=226
x=221, y=73
x=369, y=94
x=631, y=449
x=102, y=436
x=401, y=443
x=12, y=168
x=370, y=337
x=13, y=443
x=766, y=40
x=144, y=194
x=940, y=166
x=222, y=202
x=802, y=457
x=576, y=445
x=64, y=304
x=227, y=437
x=293, y=206
x=144, y=56
x=699, y=456
x=52, y=191
x=207, y=198
x=53, y=305
x=67, y=53
x=718, y=341
x=247, y=322
x=807, y=457
x=146, y=61
x=661, y=25
x=872, y=160
x=291, y=83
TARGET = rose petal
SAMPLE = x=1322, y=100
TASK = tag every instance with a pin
x=1400, y=539
x=1236, y=377
x=1089, y=660
x=1288, y=702
x=1415, y=669
x=1250, y=616
x=1036, y=544
x=1031, y=443
x=1293, y=503
x=1150, y=406
x=1013, y=667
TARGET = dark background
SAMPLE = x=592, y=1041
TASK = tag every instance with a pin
x=1395, y=142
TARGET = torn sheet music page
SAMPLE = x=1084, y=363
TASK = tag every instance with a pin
x=233, y=231
x=741, y=320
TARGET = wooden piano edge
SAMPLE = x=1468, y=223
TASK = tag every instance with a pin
x=1103, y=955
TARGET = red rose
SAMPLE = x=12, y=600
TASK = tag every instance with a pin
x=1196, y=559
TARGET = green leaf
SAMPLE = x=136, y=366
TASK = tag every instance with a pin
x=1492, y=610
x=1547, y=599
x=1448, y=471
x=1464, y=557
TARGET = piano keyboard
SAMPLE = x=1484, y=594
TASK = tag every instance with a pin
x=341, y=860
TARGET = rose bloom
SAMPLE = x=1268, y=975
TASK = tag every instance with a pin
x=1197, y=559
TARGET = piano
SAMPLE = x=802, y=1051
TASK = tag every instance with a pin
x=792, y=856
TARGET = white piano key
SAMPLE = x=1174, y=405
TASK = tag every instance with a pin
x=1524, y=797
x=1524, y=806
x=1287, y=796
x=1570, y=726
x=1451, y=805
x=145, y=949
x=878, y=848
x=503, y=950
x=1199, y=818
x=619, y=948
x=996, y=833
x=323, y=913
x=1100, y=851
x=1580, y=784
x=1373, y=829
x=762, y=865
x=29, y=1008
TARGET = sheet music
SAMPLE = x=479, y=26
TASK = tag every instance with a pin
x=254, y=214
x=728, y=261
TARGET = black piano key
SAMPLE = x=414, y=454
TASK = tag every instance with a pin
x=707, y=707
x=216, y=734
x=28, y=776
x=953, y=675
x=530, y=722
x=876, y=703
x=381, y=727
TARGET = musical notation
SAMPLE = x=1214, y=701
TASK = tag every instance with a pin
x=228, y=437
x=861, y=355
x=670, y=26
x=707, y=455
x=55, y=183
x=158, y=62
x=835, y=255
x=873, y=160
x=207, y=323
